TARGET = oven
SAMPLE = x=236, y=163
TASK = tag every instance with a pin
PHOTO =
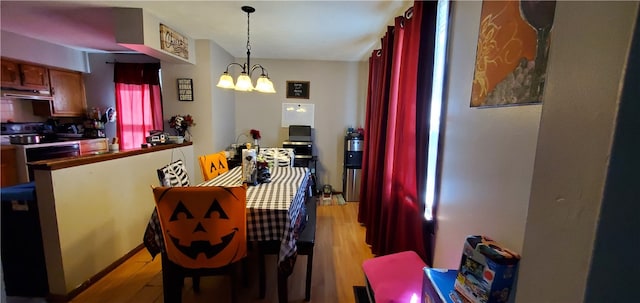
x=47, y=147
x=43, y=151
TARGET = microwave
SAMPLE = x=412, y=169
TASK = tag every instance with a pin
x=299, y=133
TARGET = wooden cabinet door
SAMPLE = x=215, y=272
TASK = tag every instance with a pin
x=10, y=74
x=8, y=169
x=34, y=77
x=93, y=146
x=67, y=89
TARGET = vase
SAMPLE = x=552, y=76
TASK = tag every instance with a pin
x=256, y=146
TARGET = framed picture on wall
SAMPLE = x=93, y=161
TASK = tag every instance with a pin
x=185, y=89
x=511, y=56
x=298, y=89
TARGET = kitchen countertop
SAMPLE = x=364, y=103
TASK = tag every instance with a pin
x=60, y=163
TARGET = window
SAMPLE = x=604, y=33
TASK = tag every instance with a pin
x=442, y=28
x=138, y=102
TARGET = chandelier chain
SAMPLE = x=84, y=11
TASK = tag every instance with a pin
x=248, y=26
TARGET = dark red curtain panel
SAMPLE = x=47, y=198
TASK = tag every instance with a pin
x=138, y=102
x=377, y=105
x=375, y=64
x=390, y=206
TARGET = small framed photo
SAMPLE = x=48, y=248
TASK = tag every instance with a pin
x=185, y=89
x=298, y=89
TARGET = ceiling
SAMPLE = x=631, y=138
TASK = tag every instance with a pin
x=303, y=30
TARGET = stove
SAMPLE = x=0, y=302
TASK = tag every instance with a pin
x=27, y=128
x=49, y=147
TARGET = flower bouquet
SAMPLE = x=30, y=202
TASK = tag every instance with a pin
x=255, y=134
x=181, y=123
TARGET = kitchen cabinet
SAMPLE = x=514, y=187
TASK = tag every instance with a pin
x=92, y=146
x=8, y=169
x=24, y=76
x=67, y=90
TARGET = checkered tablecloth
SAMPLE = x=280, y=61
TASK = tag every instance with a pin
x=273, y=209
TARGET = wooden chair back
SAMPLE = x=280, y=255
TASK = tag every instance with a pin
x=194, y=219
x=213, y=165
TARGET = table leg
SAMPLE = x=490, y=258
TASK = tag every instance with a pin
x=283, y=290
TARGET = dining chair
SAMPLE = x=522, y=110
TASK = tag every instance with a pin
x=173, y=174
x=305, y=246
x=282, y=157
x=212, y=165
x=191, y=219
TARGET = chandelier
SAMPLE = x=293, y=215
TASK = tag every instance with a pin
x=243, y=83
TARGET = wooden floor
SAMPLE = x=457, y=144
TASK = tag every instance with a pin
x=339, y=252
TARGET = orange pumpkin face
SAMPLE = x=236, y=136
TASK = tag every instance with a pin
x=203, y=226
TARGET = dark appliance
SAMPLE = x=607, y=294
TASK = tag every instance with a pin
x=301, y=143
x=353, y=144
x=47, y=146
x=300, y=140
x=27, y=133
x=38, y=152
x=303, y=151
x=300, y=133
x=23, y=262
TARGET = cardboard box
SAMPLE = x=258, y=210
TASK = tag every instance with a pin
x=437, y=285
x=487, y=271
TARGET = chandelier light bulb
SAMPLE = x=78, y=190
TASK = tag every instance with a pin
x=226, y=81
x=243, y=83
x=264, y=85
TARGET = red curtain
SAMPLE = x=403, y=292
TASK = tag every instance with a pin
x=138, y=102
x=390, y=206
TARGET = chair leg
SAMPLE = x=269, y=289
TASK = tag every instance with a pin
x=234, y=284
x=172, y=281
x=283, y=290
x=262, y=274
x=307, y=288
x=195, y=280
x=245, y=272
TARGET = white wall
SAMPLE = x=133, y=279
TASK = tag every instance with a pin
x=37, y=51
x=334, y=90
x=488, y=155
x=574, y=147
x=532, y=177
x=213, y=110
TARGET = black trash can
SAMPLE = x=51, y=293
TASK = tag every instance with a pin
x=25, y=272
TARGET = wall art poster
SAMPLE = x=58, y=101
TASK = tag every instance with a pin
x=511, y=58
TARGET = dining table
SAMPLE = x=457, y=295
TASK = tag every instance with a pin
x=275, y=211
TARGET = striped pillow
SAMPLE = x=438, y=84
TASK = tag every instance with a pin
x=174, y=175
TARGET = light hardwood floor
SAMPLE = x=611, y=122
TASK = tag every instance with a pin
x=339, y=252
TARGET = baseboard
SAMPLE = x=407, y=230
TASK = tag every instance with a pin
x=95, y=278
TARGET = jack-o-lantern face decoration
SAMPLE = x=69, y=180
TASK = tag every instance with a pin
x=203, y=226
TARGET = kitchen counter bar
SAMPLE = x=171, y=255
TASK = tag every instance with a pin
x=99, y=157
x=94, y=210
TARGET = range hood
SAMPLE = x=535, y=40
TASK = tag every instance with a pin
x=26, y=95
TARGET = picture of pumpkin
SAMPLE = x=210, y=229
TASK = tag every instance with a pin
x=203, y=226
